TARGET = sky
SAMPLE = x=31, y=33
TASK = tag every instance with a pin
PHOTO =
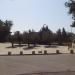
x=33, y=14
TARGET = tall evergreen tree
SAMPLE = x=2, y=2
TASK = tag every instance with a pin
x=64, y=36
x=59, y=36
x=45, y=35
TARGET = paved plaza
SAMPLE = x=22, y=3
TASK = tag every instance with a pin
x=30, y=65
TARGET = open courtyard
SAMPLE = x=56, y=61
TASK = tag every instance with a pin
x=6, y=47
x=61, y=64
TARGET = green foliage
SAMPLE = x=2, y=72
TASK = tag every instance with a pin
x=59, y=36
x=44, y=36
x=71, y=5
x=18, y=37
x=64, y=36
x=73, y=24
x=5, y=28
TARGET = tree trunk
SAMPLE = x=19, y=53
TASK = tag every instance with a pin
x=12, y=44
x=34, y=44
x=28, y=45
x=19, y=43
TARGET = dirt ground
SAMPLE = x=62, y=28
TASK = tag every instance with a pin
x=5, y=47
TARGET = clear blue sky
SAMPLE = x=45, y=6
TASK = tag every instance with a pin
x=32, y=14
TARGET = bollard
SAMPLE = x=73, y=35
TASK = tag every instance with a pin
x=71, y=51
x=21, y=52
x=45, y=52
x=57, y=52
x=33, y=52
x=9, y=53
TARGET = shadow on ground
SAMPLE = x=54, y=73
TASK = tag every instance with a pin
x=20, y=45
x=15, y=46
x=51, y=73
x=51, y=46
x=29, y=48
x=11, y=47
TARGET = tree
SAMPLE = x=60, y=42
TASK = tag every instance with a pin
x=27, y=37
x=73, y=24
x=34, y=37
x=12, y=40
x=71, y=5
x=59, y=36
x=45, y=35
x=5, y=28
x=18, y=37
x=64, y=36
